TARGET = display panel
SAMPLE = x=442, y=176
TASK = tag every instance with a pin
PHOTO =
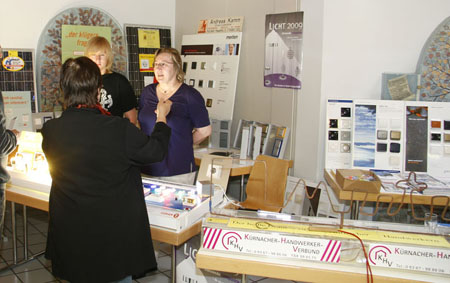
x=211, y=64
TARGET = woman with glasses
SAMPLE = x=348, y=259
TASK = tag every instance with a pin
x=188, y=118
x=117, y=94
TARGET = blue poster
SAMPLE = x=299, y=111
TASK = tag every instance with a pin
x=364, y=136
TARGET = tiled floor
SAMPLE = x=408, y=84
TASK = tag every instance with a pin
x=38, y=270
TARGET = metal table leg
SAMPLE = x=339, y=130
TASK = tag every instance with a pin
x=174, y=264
x=241, y=188
x=14, y=236
x=354, y=212
x=25, y=233
x=14, y=232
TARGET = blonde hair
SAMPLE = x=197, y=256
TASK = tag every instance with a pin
x=176, y=60
x=99, y=43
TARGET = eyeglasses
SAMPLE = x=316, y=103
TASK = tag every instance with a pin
x=161, y=64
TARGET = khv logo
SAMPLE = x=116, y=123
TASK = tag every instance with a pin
x=379, y=253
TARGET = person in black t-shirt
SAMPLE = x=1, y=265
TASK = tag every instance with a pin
x=117, y=94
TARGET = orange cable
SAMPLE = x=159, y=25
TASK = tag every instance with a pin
x=368, y=268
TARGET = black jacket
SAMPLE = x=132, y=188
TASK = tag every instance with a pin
x=8, y=142
x=99, y=229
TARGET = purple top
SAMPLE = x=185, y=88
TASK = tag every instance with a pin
x=188, y=112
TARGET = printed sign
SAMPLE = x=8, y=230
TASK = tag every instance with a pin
x=74, y=39
x=18, y=110
x=283, y=51
x=148, y=38
x=146, y=62
x=13, y=62
x=367, y=235
x=230, y=24
x=436, y=260
x=273, y=245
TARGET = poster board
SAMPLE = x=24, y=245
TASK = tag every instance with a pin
x=283, y=50
x=142, y=42
x=19, y=78
x=74, y=39
x=397, y=136
x=211, y=64
x=18, y=110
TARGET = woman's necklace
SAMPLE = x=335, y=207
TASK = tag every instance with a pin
x=166, y=93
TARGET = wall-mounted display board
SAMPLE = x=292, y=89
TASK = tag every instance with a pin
x=283, y=50
x=401, y=136
x=16, y=72
x=49, y=61
x=211, y=63
x=142, y=43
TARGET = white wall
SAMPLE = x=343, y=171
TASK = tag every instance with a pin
x=31, y=16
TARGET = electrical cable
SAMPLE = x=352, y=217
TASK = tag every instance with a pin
x=233, y=202
x=368, y=268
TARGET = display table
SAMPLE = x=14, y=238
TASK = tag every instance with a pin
x=357, y=197
x=381, y=197
x=39, y=200
x=306, y=271
x=315, y=249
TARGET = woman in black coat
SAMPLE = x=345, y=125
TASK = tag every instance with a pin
x=99, y=229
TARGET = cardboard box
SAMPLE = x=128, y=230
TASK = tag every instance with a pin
x=350, y=180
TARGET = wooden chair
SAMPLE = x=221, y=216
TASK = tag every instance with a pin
x=266, y=184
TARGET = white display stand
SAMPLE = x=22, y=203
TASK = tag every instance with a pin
x=211, y=64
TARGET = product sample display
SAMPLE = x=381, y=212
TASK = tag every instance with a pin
x=29, y=167
x=176, y=206
x=211, y=64
x=400, y=136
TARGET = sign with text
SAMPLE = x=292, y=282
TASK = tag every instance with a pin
x=273, y=245
x=74, y=39
x=436, y=260
x=283, y=50
x=229, y=24
x=148, y=38
x=18, y=110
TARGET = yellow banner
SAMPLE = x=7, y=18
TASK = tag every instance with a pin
x=324, y=231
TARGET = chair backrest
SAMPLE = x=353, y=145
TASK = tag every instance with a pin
x=267, y=183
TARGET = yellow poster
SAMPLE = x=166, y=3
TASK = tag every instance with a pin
x=148, y=38
x=74, y=39
x=146, y=62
